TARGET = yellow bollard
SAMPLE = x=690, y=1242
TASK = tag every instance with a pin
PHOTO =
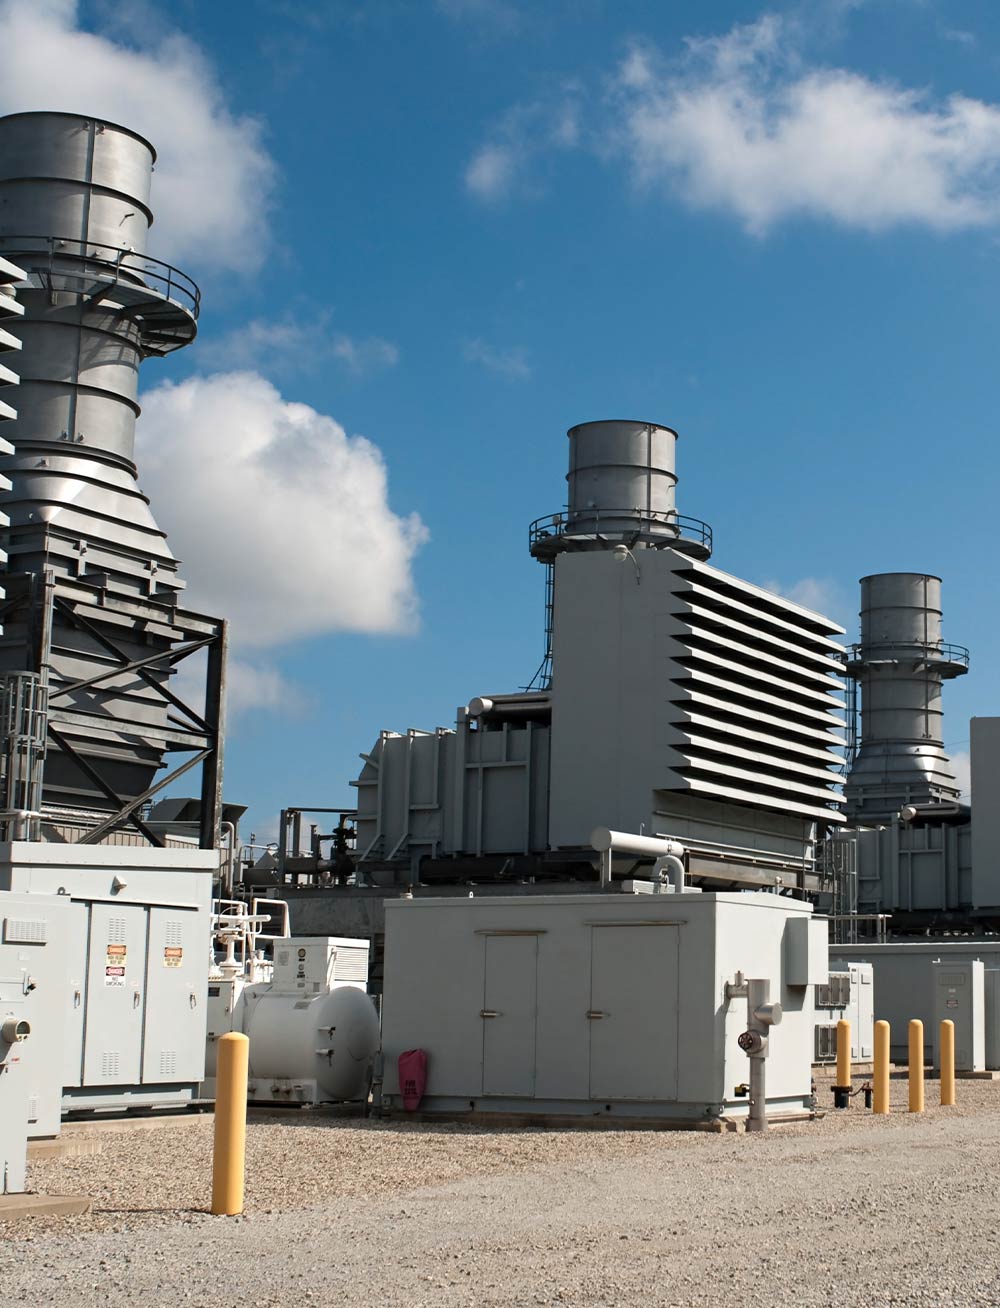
x=916, y=1066
x=947, y=1043
x=229, y=1155
x=880, y=1102
x=842, y=1088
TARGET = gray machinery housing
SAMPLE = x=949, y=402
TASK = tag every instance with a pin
x=93, y=595
x=673, y=697
x=617, y=1005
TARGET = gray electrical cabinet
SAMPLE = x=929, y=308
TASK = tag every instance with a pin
x=612, y=1004
x=137, y=959
x=959, y=995
x=34, y=931
x=847, y=995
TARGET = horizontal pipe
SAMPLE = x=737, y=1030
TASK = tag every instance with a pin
x=624, y=842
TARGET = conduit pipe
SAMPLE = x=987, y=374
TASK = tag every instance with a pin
x=666, y=852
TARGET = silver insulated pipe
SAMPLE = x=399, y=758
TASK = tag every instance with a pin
x=74, y=215
x=900, y=665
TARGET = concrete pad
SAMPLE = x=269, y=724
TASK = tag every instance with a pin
x=113, y=1125
x=13, y=1207
x=70, y=1147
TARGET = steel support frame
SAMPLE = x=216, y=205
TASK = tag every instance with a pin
x=207, y=733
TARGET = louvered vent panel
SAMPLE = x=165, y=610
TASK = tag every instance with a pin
x=174, y=934
x=351, y=964
x=168, y=1062
x=111, y=1062
x=755, y=696
x=117, y=931
x=23, y=931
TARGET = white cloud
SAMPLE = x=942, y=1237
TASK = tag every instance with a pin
x=491, y=171
x=262, y=687
x=365, y=355
x=743, y=125
x=824, y=595
x=510, y=362
x=213, y=179
x=281, y=518
x=527, y=132
x=293, y=345
x=962, y=768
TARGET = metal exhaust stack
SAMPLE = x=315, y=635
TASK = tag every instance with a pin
x=900, y=666
x=622, y=486
x=92, y=585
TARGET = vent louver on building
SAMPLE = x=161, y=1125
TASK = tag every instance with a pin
x=756, y=695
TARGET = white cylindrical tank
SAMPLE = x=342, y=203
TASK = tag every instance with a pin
x=330, y=1039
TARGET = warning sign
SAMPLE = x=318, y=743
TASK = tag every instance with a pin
x=173, y=956
x=114, y=965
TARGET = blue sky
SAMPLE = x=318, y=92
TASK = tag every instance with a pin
x=457, y=227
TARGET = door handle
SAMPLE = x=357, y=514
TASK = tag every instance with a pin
x=594, y=1013
x=489, y=1012
x=136, y=999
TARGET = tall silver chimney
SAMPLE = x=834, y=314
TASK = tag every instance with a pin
x=899, y=666
x=92, y=585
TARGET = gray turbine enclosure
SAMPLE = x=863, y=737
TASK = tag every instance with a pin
x=673, y=697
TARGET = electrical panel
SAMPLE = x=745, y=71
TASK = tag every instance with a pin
x=959, y=996
x=33, y=936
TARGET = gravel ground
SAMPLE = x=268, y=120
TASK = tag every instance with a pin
x=849, y=1211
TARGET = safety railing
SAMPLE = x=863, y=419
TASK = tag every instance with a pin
x=587, y=522
x=91, y=258
x=938, y=650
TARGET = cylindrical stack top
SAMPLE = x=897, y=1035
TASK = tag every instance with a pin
x=74, y=178
x=621, y=475
x=621, y=489
x=900, y=609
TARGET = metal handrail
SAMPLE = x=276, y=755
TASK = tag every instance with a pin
x=166, y=280
x=565, y=523
x=946, y=652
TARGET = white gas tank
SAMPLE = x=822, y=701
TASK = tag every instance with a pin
x=329, y=1039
